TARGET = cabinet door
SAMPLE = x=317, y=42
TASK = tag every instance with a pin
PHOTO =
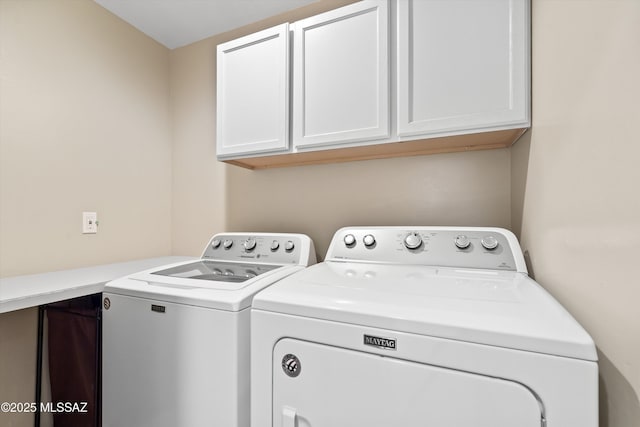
x=462, y=65
x=253, y=93
x=341, y=76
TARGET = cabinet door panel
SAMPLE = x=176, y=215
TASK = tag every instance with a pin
x=341, y=78
x=253, y=93
x=462, y=65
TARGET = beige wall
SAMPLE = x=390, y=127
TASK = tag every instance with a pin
x=465, y=188
x=198, y=186
x=84, y=125
x=448, y=189
x=85, y=119
x=576, y=181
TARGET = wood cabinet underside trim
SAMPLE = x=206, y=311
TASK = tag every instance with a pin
x=448, y=144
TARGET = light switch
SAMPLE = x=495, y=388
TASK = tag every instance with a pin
x=89, y=222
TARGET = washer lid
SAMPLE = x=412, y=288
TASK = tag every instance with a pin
x=207, y=274
x=197, y=283
x=213, y=271
x=498, y=308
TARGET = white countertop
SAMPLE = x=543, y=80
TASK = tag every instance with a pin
x=36, y=289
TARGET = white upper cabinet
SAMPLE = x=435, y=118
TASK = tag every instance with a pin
x=375, y=79
x=253, y=93
x=341, y=76
x=463, y=65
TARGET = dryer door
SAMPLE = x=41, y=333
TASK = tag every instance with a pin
x=322, y=386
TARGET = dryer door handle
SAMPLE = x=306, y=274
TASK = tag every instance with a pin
x=289, y=417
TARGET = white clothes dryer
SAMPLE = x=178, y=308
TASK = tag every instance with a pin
x=419, y=326
x=176, y=339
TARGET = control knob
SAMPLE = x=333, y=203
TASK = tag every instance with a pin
x=489, y=242
x=349, y=240
x=369, y=240
x=413, y=241
x=462, y=241
x=227, y=243
x=289, y=246
x=215, y=244
x=275, y=245
x=249, y=244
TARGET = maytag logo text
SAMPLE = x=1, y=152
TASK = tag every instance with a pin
x=385, y=343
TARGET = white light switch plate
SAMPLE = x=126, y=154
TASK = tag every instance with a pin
x=89, y=222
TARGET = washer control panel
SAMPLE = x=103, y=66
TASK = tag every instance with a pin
x=268, y=248
x=465, y=247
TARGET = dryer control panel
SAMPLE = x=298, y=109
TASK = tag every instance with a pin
x=277, y=248
x=464, y=247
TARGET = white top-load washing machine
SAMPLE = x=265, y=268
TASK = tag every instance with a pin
x=419, y=326
x=176, y=339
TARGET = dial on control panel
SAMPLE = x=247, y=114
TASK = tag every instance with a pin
x=227, y=243
x=369, y=240
x=289, y=246
x=249, y=244
x=275, y=245
x=489, y=242
x=462, y=241
x=413, y=241
x=349, y=240
x=215, y=244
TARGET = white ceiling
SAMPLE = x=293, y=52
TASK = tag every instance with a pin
x=176, y=23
